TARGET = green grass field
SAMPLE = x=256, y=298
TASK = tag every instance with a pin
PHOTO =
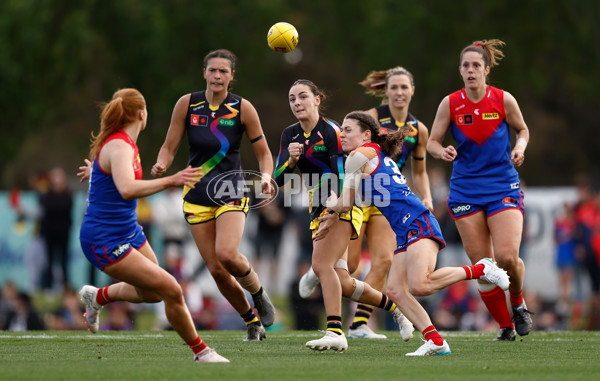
x=149, y=355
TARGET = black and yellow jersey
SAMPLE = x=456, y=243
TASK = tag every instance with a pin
x=214, y=136
x=321, y=161
x=388, y=123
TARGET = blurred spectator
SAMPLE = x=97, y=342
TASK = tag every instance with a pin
x=55, y=225
x=8, y=302
x=17, y=312
x=118, y=317
x=457, y=300
x=144, y=214
x=564, y=229
x=69, y=316
x=167, y=212
x=586, y=217
x=271, y=221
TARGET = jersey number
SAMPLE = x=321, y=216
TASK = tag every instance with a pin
x=398, y=177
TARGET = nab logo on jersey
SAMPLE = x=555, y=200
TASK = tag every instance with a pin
x=198, y=120
x=464, y=119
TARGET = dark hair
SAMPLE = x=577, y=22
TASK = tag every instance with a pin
x=313, y=89
x=222, y=53
x=121, y=110
x=377, y=81
x=489, y=50
x=391, y=143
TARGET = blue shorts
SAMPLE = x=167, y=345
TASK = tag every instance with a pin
x=103, y=253
x=424, y=226
x=511, y=200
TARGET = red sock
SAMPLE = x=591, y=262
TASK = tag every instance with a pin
x=197, y=345
x=430, y=333
x=474, y=272
x=102, y=297
x=495, y=301
x=516, y=299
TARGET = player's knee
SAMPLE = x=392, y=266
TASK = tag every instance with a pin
x=381, y=265
x=220, y=274
x=228, y=257
x=420, y=288
x=508, y=261
x=170, y=290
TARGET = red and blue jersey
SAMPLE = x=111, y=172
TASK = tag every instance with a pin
x=386, y=189
x=108, y=215
x=482, y=171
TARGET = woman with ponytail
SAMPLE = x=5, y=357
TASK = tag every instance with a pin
x=373, y=177
x=112, y=239
x=485, y=200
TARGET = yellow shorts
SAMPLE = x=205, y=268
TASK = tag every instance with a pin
x=354, y=216
x=369, y=211
x=197, y=214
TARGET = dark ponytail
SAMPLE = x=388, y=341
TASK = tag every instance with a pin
x=390, y=143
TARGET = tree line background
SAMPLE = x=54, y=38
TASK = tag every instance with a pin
x=60, y=58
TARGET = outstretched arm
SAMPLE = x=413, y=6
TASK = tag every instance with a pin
x=173, y=139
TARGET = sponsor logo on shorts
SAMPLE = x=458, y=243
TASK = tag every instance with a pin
x=405, y=218
x=514, y=186
x=509, y=201
x=121, y=249
x=461, y=209
x=412, y=236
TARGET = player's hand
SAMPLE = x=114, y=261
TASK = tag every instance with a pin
x=517, y=157
x=332, y=201
x=266, y=185
x=85, y=171
x=189, y=176
x=295, y=150
x=428, y=202
x=158, y=170
x=327, y=222
x=448, y=154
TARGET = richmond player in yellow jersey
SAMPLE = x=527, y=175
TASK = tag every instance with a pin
x=215, y=121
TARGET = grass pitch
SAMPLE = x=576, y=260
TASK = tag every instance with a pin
x=148, y=355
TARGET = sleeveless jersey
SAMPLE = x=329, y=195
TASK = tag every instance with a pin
x=482, y=170
x=388, y=123
x=214, y=137
x=321, y=162
x=386, y=189
x=108, y=215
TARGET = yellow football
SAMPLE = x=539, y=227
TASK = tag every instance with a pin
x=282, y=37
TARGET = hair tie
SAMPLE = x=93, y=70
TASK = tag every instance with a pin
x=376, y=84
x=119, y=99
x=478, y=45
